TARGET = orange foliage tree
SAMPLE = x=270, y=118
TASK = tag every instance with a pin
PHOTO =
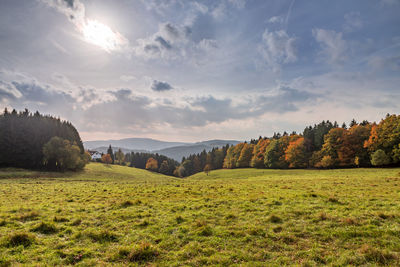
x=106, y=158
x=257, y=161
x=152, y=164
x=295, y=154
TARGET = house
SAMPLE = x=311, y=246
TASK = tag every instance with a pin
x=95, y=154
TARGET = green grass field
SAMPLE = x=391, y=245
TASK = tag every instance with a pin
x=113, y=215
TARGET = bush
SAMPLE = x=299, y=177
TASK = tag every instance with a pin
x=379, y=158
x=59, y=154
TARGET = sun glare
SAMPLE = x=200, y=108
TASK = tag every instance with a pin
x=101, y=35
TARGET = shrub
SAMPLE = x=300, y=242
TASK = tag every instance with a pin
x=59, y=154
x=379, y=158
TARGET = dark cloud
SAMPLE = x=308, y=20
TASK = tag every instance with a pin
x=70, y=3
x=160, y=86
x=163, y=42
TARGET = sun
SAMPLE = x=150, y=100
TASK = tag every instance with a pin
x=101, y=35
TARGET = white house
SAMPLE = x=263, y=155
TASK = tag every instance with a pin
x=95, y=154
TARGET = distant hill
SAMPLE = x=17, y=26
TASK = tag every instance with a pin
x=103, y=149
x=178, y=152
x=147, y=144
x=174, y=150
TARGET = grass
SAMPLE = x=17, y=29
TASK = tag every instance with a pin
x=114, y=215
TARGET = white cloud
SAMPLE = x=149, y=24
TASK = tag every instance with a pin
x=278, y=48
x=353, y=21
x=127, y=78
x=334, y=48
x=276, y=19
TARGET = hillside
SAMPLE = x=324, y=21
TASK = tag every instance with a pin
x=115, y=215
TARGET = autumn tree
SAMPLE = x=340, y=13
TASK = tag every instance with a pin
x=111, y=153
x=275, y=153
x=352, y=151
x=333, y=141
x=295, y=153
x=385, y=136
x=119, y=156
x=245, y=156
x=232, y=156
x=257, y=161
x=207, y=169
x=106, y=158
x=152, y=164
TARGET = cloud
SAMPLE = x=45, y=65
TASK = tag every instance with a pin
x=127, y=78
x=92, y=109
x=8, y=91
x=380, y=63
x=160, y=86
x=334, y=48
x=173, y=42
x=276, y=19
x=277, y=48
x=74, y=10
x=92, y=31
x=353, y=22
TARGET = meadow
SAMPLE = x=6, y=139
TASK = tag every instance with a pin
x=118, y=216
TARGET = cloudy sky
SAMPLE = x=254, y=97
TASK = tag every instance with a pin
x=185, y=70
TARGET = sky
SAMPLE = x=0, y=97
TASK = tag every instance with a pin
x=183, y=70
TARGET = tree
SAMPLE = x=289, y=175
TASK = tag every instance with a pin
x=379, y=158
x=164, y=168
x=257, y=161
x=333, y=141
x=385, y=136
x=23, y=135
x=60, y=154
x=152, y=165
x=327, y=162
x=245, y=156
x=106, y=158
x=207, y=169
x=111, y=153
x=275, y=153
x=119, y=156
x=295, y=154
x=352, y=151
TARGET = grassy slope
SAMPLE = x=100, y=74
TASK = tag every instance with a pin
x=120, y=215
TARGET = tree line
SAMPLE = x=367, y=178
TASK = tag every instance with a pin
x=37, y=141
x=324, y=145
